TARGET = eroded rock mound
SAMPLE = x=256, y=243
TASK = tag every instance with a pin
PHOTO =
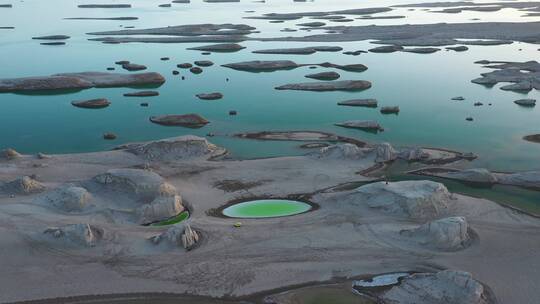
x=161, y=208
x=22, y=185
x=184, y=120
x=178, y=235
x=476, y=175
x=9, y=154
x=68, y=198
x=77, y=234
x=341, y=151
x=444, y=287
x=143, y=183
x=414, y=199
x=385, y=153
x=178, y=148
x=342, y=85
x=79, y=81
x=449, y=233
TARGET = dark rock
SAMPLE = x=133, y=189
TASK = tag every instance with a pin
x=386, y=49
x=184, y=65
x=187, y=120
x=196, y=70
x=52, y=37
x=92, y=103
x=133, y=67
x=210, y=96
x=142, y=94
x=324, y=76
x=204, y=63
x=109, y=136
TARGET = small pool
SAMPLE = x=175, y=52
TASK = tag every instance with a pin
x=266, y=208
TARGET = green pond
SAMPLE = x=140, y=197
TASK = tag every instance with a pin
x=266, y=208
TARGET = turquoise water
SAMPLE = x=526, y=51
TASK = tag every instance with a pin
x=421, y=85
x=266, y=208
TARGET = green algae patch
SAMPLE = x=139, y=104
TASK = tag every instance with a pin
x=266, y=208
x=174, y=220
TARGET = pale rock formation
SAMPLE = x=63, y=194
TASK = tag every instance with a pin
x=444, y=287
x=22, y=185
x=9, y=154
x=161, y=208
x=449, y=233
x=414, y=199
x=476, y=175
x=178, y=235
x=385, y=153
x=68, y=198
x=413, y=154
x=143, y=183
x=341, y=151
x=82, y=234
x=178, y=148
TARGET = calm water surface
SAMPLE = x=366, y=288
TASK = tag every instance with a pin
x=421, y=85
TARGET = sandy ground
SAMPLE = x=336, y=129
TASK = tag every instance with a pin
x=342, y=238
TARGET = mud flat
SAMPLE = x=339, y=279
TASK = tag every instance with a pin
x=109, y=194
x=79, y=81
x=276, y=65
x=440, y=34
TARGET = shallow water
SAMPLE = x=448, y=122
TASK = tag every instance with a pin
x=266, y=209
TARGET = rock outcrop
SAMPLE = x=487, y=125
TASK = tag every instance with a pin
x=9, y=154
x=341, y=152
x=77, y=234
x=414, y=199
x=79, y=81
x=444, y=287
x=384, y=153
x=210, y=96
x=451, y=233
x=475, y=175
x=367, y=125
x=22, y=185
x=92, y=103
x=342, y=85
x=178, y=235
x=161, y=208
x=262, y=66
x=219, y=48
x=324, y=76
x=142, y=183
x=184, y=120
x=69, y=198
x=177, y=148
x=369, y=103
